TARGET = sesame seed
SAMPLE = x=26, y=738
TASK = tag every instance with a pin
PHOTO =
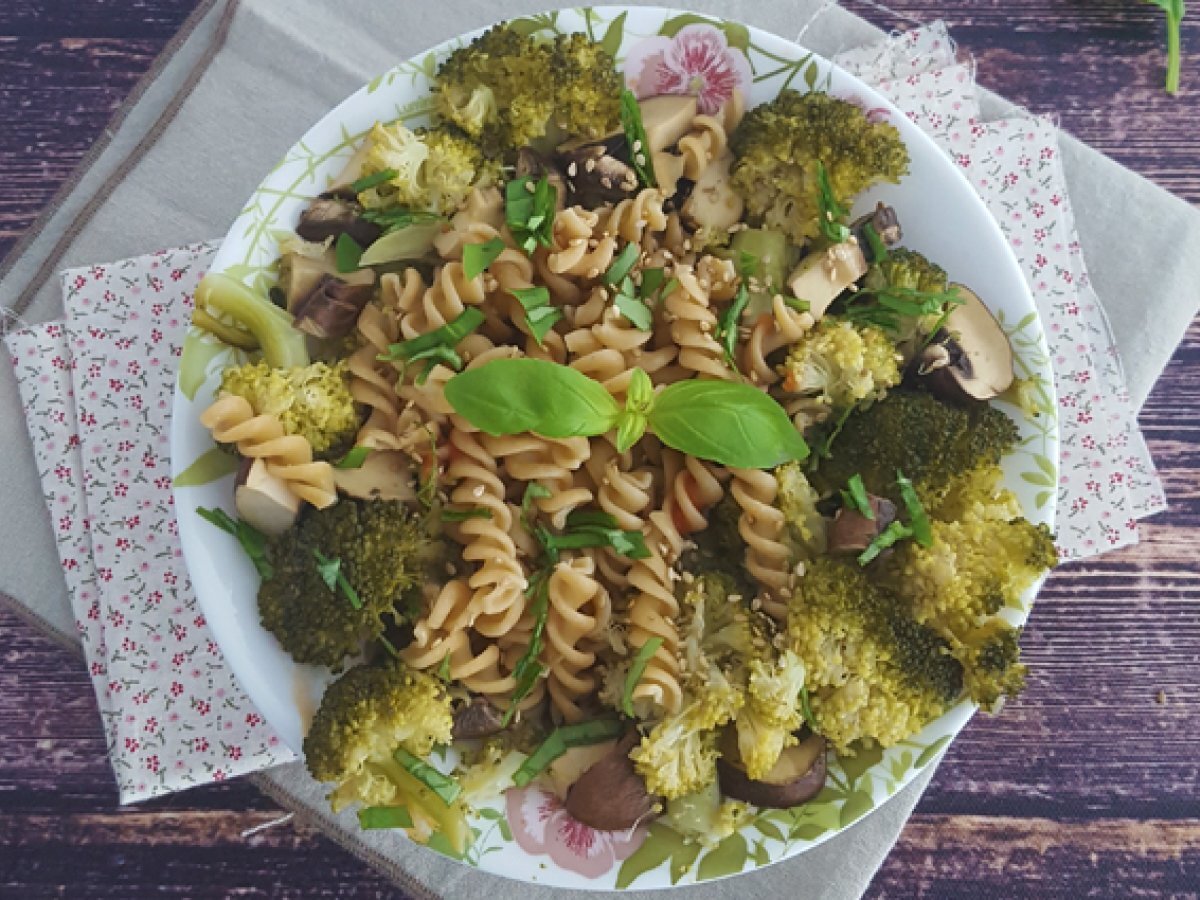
x=640, y=159
x=590, y=165
x=637, y=146
x=572, y=170
x=530, y=187
x=593, y=272
x=478, y=491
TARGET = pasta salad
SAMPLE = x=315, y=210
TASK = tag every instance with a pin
x=591, y=435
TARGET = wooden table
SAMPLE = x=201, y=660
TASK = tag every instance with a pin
x=1088, y=785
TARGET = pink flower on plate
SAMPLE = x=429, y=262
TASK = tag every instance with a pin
x=697, y=61
x=541, y=825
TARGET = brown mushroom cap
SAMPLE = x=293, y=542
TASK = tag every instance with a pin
x=852, y=532
x=796, y=778
x=331, y=217
x=477, y=719
x=332, y=309
x=596, y=172
x=975, y=361
x=611, y=795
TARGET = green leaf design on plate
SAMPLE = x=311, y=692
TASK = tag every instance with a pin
x=726, y=858
x=1042, y=498
x=210, y=466
x=662, y=843
x=856, y=806
x=864, y=758
x=736, y=35
x=611, y=42
x=931, y=751
x=1041, y=479
x=811, y=72
x=900, y=766
x=439, y=842
x=769, y=828
x=199, y=350
x=1043, y=463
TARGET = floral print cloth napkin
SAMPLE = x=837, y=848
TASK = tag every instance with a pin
x=97, y=391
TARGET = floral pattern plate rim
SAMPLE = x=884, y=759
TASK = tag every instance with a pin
x=526, y=835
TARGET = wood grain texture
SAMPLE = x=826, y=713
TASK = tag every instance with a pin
x=1085, y=786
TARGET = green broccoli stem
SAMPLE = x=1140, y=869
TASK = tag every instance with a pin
x=282, y=345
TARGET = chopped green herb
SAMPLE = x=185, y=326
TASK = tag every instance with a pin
x=727, y=325
x=528, y=670
x=855, y=496
x=652, y=280
x=369, y=181
x=529, y=211
x=461, y=515
x=539, y=314
x=747, y=263
x=477, y=257
x=533, y=491
x=632, y=308
x=431, y=345
x=922, y=531
x=622, y=264
x=389, y=647
x=346, y=253
x=879, y=250
x=636, y=667
x=894, y=533
x=253, y=541
x=890, y=304
x=831, y=212
x=806, y=709
x=563, y=739
x=398, y=217
x=635, y=136
x=443, y=670
x=445, y=787
x=796, y=303
x=670, y=287
x=434, y=355
x=384, y=817
x=331, y=573
x=353, y=459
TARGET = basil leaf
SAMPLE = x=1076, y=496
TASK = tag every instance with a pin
x=630, y=428
x=446, y=336
x=512, y=396
x=253, y=541
x=855, y=496
x=563, y=739
x=636, y=668
x=528, y=670
x=622, y=264
x=539, y=314
x=726, y=422
x=445, y=787
x=590, y=518
x=921, y=529
x=533, y=491
x=369, y=181
x=635, y=136
x=477, y=257
x=346, y=253
x=384, y=817
x=398, y=217
x=652, y=280
x=461, y=515
x=893, y=534
x=353, y=459
x=529, y=211
x=331, y=573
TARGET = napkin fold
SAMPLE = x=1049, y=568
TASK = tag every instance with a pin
x=68, y=405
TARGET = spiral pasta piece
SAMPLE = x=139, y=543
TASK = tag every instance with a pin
x=579, y=248
x=709, y=136
x=761, y=527
x=653, y=612
x=231, y=420
x=694, y=324
x=577, y=612
x=771, y=332
x=694, y=489
x=498, y=581
x=633, y=217
x=551, y=463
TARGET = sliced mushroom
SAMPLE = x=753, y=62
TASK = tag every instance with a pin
x=333, y=217
x=611, y=795
x=384, y=475
x=852, y=532
x=597, y=172
x=668, y=171
x=796, y=778
x=886, y=224
x=332, y=308
x=666, y=119
x=713, y=203
x=299, y=276
x=265, y=500
x=403, y=246
x=822, y=275
x=975, y=361
x=568, y=768
x=476, y=719
x=532, y=163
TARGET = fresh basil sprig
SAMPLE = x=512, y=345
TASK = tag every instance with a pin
x=331, y=573
x=253, y=541
x=437, y=346
x=831, y=212
x=635, y=136
x=529, y=211
x=540, y=314
x=726, y=422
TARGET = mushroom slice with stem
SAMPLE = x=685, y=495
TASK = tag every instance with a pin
x=796, y=778
x=974, y=361
x=328, y=217
x=332, y=307
x=611, y=795
x=821, y=276
x=713, y=204
x=476, y=719
x=383, y=475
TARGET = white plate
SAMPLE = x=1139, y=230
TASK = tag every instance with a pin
x=527, y=838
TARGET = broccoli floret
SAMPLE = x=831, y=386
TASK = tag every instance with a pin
x=704, y=817
x=913, y=280
x=364, y=717
x=679, y=756
x=797, y=500
x=258, y=323
x=379, y=550
x=991, y=659
x=312, y=401
x=435, y=170
x=718, y=631
x=778, y=145
x=873, y=672
x=505, y=90
x=838, y=365
x=933, y=443
x=771, y=715
x=907, y=270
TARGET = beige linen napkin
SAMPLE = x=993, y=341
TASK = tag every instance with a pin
x=193, y=148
